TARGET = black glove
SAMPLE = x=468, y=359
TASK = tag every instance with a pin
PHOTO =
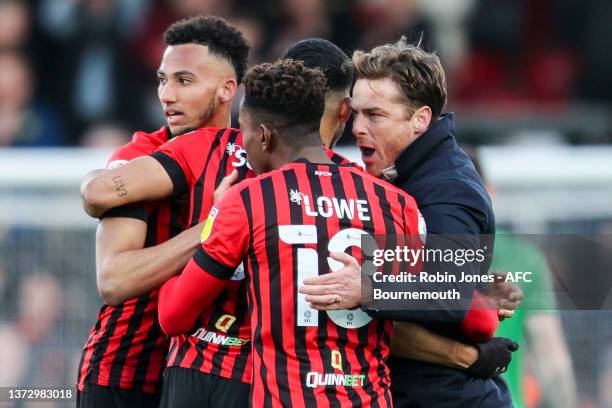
x=493, y=357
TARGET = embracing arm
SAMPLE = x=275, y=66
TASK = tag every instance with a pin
x=417, y=343
x=226, y=242
x=480, y=360
x=125, y=269
x=142, y=179
x=183, y=298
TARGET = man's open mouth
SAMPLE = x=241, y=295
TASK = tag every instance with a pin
x=367, y=151
x=173, y=114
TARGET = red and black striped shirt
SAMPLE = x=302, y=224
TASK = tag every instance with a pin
x=338, y=158
x=219, y=342
x=284, y=224
x=126, y=347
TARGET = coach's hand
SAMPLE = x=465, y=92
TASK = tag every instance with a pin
x=335, y=290
x=225, y=184
x=506, y=295
x=493, y=357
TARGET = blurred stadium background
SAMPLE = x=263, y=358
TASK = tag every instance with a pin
x=529, y=81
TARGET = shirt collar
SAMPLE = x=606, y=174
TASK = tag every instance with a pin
x=412, y=157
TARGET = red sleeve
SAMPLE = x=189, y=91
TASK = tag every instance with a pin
x=183, y=156
x=481, y=321
x=183, y=298
x=225, y=242
x=173, y=158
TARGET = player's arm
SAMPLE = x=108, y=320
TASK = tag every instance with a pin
x=142, y=179
x=479, y=318
x=415, y=342
x=225, y=241
x=450, y=227
x=342, y=288
x=480, y=359
x=125, y=269
x=90, y=176
x=183, y=298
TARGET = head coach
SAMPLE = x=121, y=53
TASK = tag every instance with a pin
x=404, y=138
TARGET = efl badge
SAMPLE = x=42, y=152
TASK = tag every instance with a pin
x=209, y=224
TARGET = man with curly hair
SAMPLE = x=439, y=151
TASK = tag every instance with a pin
x=284, y=225
x=139, y=246
x=195, y=350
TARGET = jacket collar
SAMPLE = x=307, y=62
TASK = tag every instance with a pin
x=412, y=157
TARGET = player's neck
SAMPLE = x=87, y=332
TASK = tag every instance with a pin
x=314, y=154
x=222, y=118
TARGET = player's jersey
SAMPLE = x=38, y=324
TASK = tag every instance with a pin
x=219, y=342
x=126, y=348
x=284, y=224
x=337, y=158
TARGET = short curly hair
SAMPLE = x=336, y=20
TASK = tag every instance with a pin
x=221, y=38
x=286, y=92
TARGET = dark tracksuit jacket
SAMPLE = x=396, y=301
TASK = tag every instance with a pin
x=452, y=199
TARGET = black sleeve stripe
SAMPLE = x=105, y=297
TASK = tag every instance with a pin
x=175, y=172
x=127, y=211
x=212, y=266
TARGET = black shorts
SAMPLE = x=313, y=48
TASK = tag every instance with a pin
x=186, y=388
x=97, y=396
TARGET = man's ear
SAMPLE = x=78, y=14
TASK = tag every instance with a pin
x=421, y=119
x=265, y=137
x=344, y=113
x=228, y=90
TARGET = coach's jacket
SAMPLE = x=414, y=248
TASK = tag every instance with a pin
x=452, y=199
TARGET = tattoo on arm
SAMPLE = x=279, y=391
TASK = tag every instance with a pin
x=119, y=186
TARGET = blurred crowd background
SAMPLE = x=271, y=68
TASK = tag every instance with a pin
x=82, y=72
x=529, y=81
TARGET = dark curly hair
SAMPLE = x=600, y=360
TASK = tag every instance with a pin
x=286, y=93
x=326, y=56
x=221, y=38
